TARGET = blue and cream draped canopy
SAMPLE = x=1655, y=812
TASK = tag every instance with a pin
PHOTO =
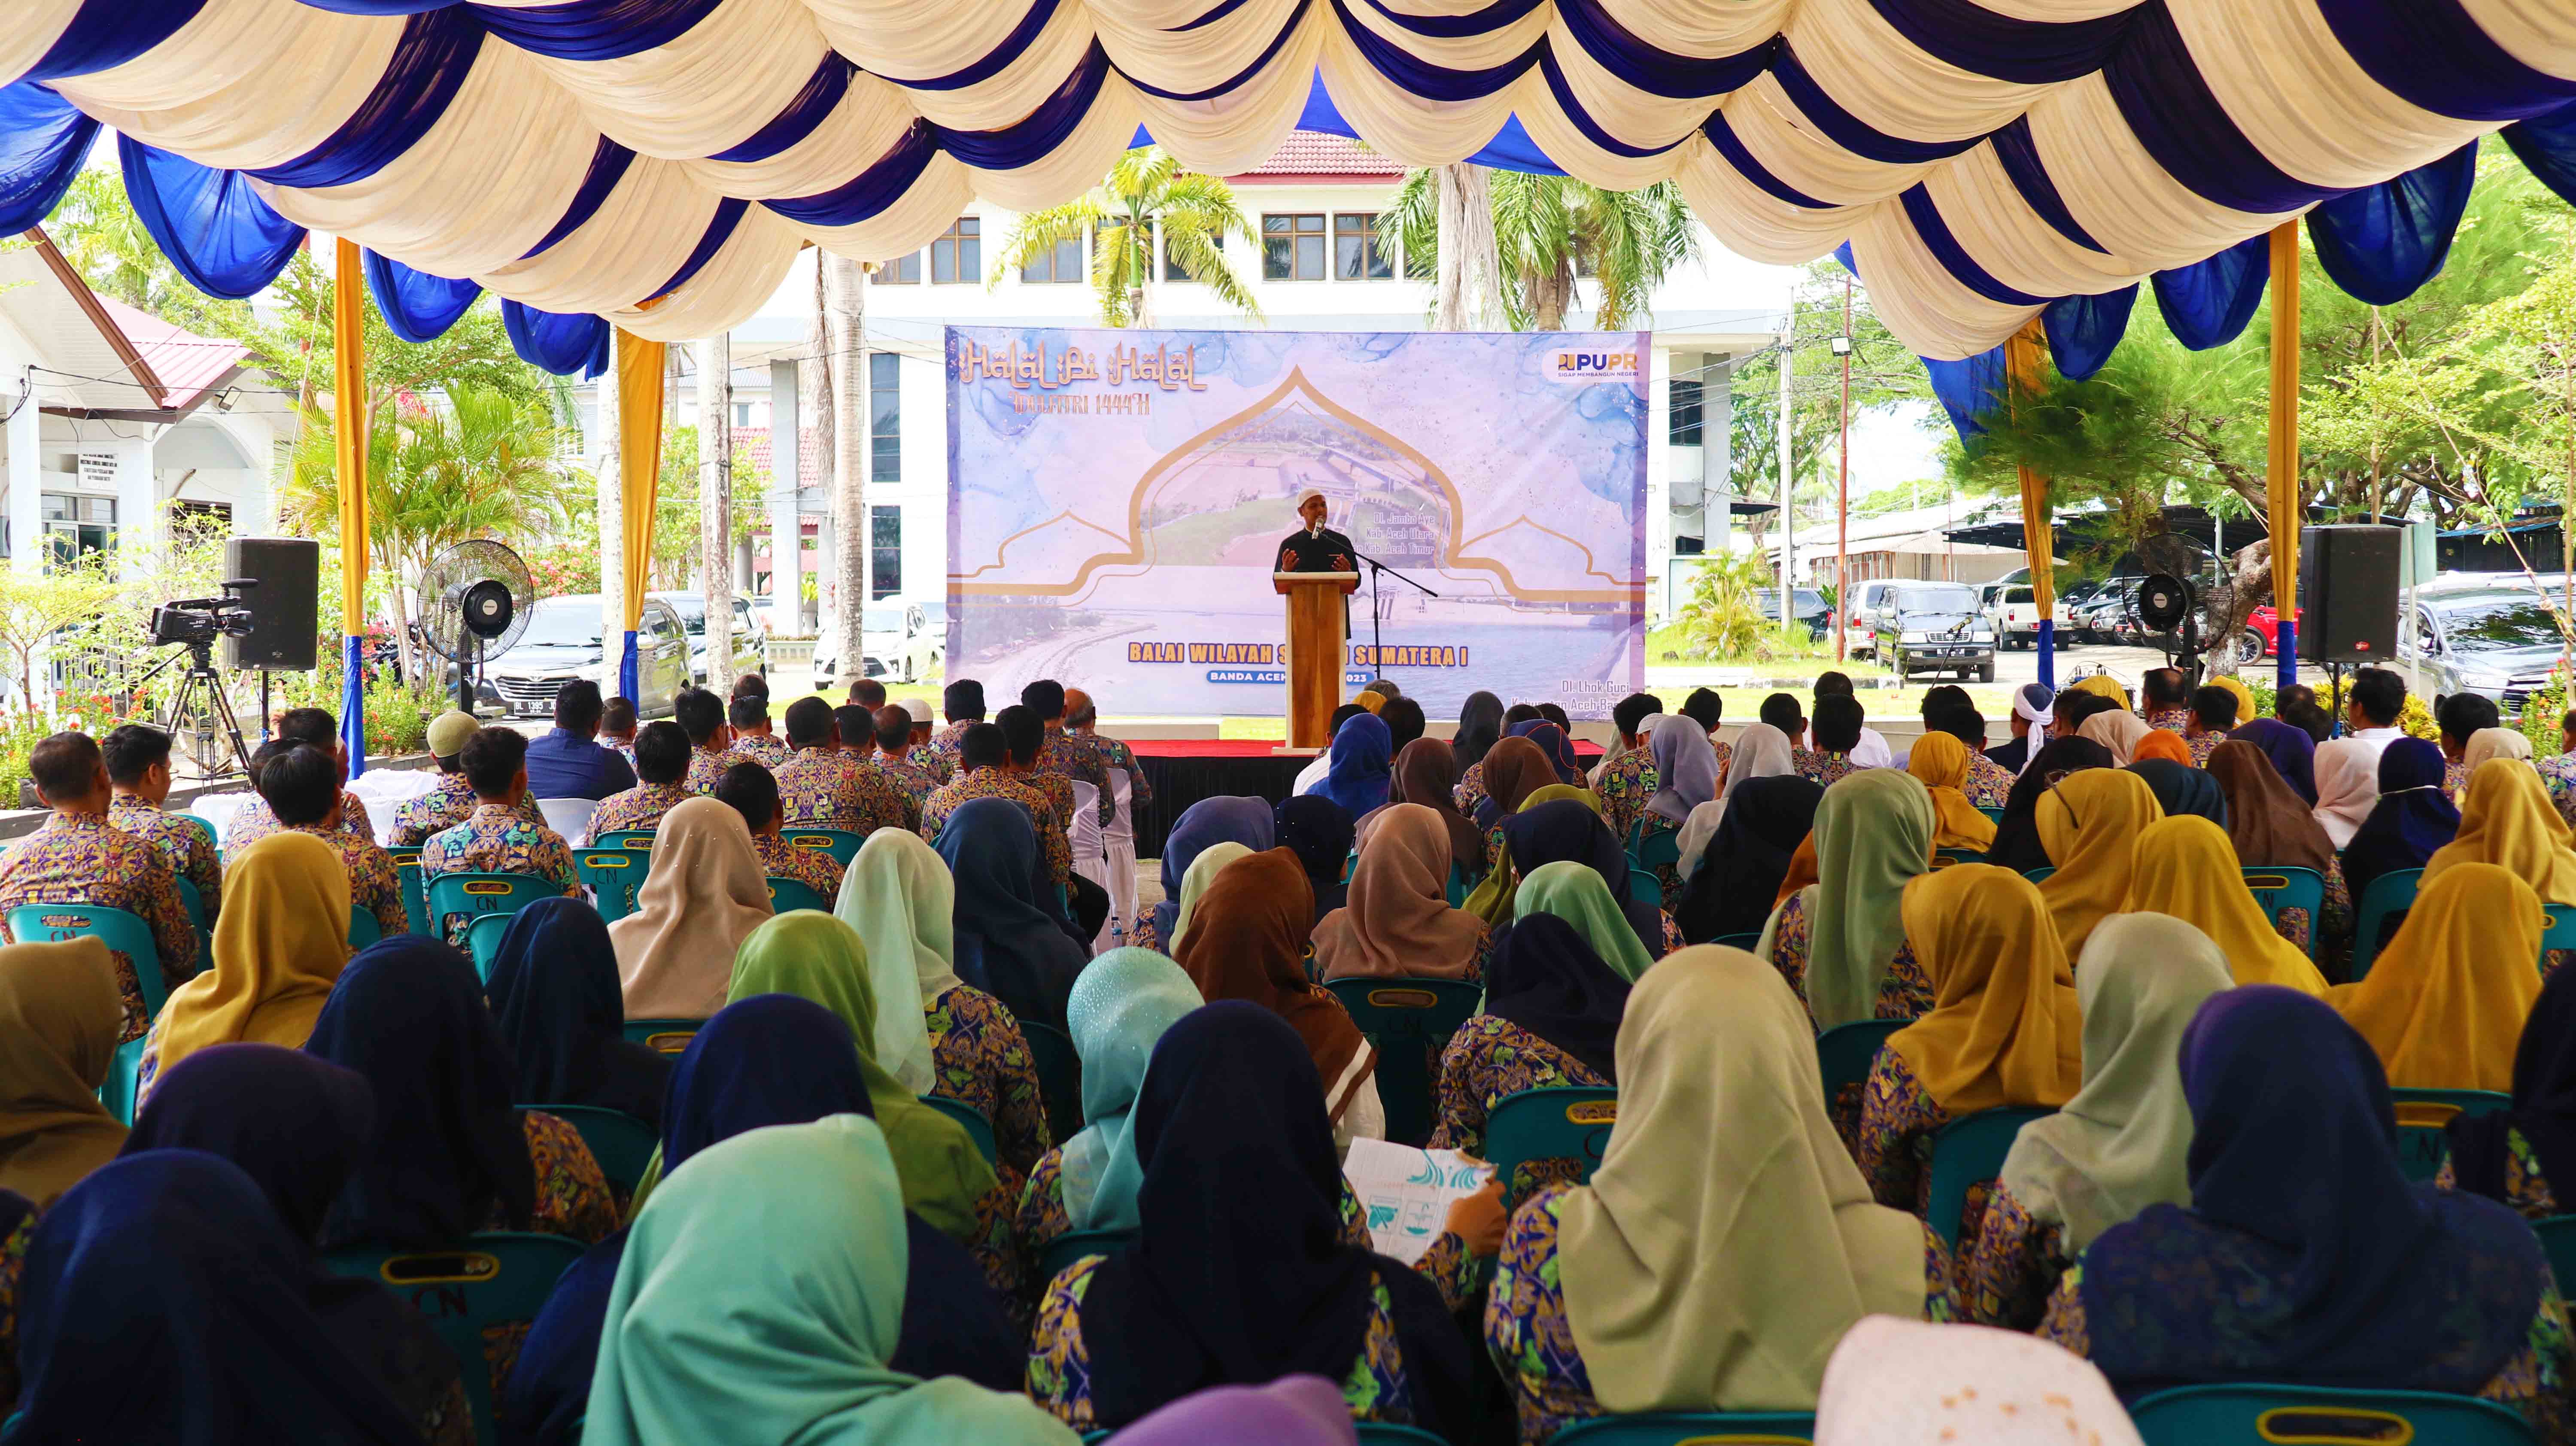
x=657, y=163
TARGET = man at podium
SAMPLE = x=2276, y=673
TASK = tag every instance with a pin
x=1315, y=547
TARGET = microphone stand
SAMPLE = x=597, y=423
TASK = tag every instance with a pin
x=1377, y=614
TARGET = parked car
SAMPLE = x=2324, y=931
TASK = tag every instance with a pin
x=563, y=642
x=2014, y=616
x=750, y=634
x=2484, y=633
x=2261, y=637
x=1934, y=627
x=1861, y=615
x=899, y=640
x=1812, y=609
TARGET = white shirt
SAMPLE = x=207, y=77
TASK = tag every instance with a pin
x=2373, y=741
x=1312, y=774
x=1871, y=752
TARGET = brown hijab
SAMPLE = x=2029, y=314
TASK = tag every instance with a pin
x=1247, y=940
x=1398, y=921
x=1514, y=769
x=1426, y=772
x=58, y=1022
x=2269, y=823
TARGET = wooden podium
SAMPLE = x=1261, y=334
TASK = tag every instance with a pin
x=1315, y=637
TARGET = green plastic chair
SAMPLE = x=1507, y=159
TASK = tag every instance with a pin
x=972, y=1118
x=1662, y=846
x=1071, y=1246
x=840, y=843
x=1845, y=1052
x=1059, y=1076
x=2255, y=1415
x=363, y=928
x=125, y=933
x=415, y=889
x=1643, y=885
x=2037, y=874
x=2561, y=933
x=2388, y=897
x=471, y=894
x=1459, y=888
x=483, y=942
x=1569, y=1122
x=1383, y=1433
x=493, y=1279
x=1993, y=815
x=2422, y=1142
x=2558, y=1240
x=622, y=1144
x=1745, y=942
x=788, y=895
x=2281, y=889
x=195, y=905
x=625, y=838
x=1944, y=858
x=1409, y=1021
x=1693, y=1428
x=615, y=876
x=1966, y=1151
x=670, y=1036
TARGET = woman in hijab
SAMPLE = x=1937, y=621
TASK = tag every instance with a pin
x=704, y=895
x=1570, y=830
x=1761, y=751
x=1203, y=825
x=1121, y=1008
x=280, y=941
x=1552, y=742
x=1320, y=833
x=2292, y=752
x=1551, y=1013
x=2489, y=743
x=1214, y=1293
x=2310, y=1259
x=1939, y=762
x=1906, y=1383
x=1840, y=941
x=1686, y=774
x=1575, y=893
x=2507, y=819
x=450, y=1155
x=2118, y=730
x=1480, y=726
x=2165, y=745
x=161, y=1300
x=2185, y=868
x=1008, y=944
x=2182, y=790
x=1514, y=770
x=1211, y=862
x=1363, y=755
x=2017, y=846
x=2411, y=819
x=1300, y=1410
x=2090, y=825
x=1398, y=923
x=789, y=1245
x=2272, y=828
x=2444, y=1003
x=2347, y=788
x=1250, y=943
x=1426, y=773
x=2101, y=685
x=2005, y=1030
x=935, y=1033
x=1731, y=891
x=2121, y=1144
x=59, y=1016
x=555, y=994
x=1725, y=1243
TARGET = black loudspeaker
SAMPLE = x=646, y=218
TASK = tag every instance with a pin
x=284, y=600
x=2348, y=594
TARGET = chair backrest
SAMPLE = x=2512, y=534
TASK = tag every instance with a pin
x=842, y=844
x=483, y=941
x=476, y=894
x=1072, y=1245
x=2037, y=874
x=1965, y=1152
x=615, y=876
x=1569, y=1122
x=2254, y=1415
x=569, y=817
x=415, y=889
x=622, y=1144
x=670, y=1036
x=1387, y=1433
x=1088, y=839
x=1643, y=884
x=1059, y=1076
x=194, y=904
x=2279, y=890
x=363, y=928
x=2561, y=933
x=1122, y=792
x=972, y=1118
x=2388, y=898
x=625, y=838
x=1409, y=1021
x=500, y=1278
x=788, y=894
x=1692, y=1428
x=2422, y=1142
x=2558, y=1240
x=1845, y=1052
x=1745, y=942
x=1993, y=815
x=1657, y=847
x=1944, y=858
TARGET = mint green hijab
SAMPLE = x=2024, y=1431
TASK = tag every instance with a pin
x=1873, y=834
x=759, y=1300
x=1574, y=892
x=1120, y=1007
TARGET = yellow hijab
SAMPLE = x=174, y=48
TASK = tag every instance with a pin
x=2005, y=1028
x=279, y=944
x=2101, y=685
x=2090, y=823
x=2243, y=695
x=2507, y=819
x=2187, y=868
x=59, y=1017
x=1941, y=761
x=2445, y=1001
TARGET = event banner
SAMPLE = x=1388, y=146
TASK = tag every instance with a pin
x=1117, y=500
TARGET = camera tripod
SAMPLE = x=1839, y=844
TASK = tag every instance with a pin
x=197, y=711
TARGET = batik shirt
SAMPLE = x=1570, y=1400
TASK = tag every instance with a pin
x=373, y=884
x=80, y=859
x=1819, y=765
x=188, y=847
x=706, y=770
x=2559, y=774
x=766, y=749
x=495, y=840
x=1625, y=786
x=1043, y=1217
x=622, y=747
x=1488, y=1060
x=909, y=779
x=814, y=868
x=1906, y=993
x=1893, y=1143
x=1470, y=792
x=443, y=808
x=1989, y=783
x=941, y=756
x=254, y=821
x=1117, y=756
x=2172, y=720
x=824, y=788
x=2006, y=1277
x=2203, y=746
x=1066, y=756
x=981, y=1059
x=640, y=807
x=2525, y=1188
x=994, y=783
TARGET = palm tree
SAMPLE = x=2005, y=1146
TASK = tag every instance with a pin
x=1145, y=192
x=1550, y=231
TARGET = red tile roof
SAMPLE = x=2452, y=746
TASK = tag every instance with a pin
x=753, y=447
x=185, y=362
x=1318, y=153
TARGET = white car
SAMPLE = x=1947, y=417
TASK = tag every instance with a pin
x=899, y=641
x=2015, y=615
x=1860, y=619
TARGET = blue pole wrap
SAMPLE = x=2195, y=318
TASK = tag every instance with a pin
x=2047, y=645
x=626, y=670
x=353, y=701
x=2286, y=637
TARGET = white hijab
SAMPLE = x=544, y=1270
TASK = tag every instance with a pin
x=1896, y=1382
x=2489, y=743
x=2347, y=789
x=1761, y=751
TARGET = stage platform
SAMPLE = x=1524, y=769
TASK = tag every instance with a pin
x=1185, y=770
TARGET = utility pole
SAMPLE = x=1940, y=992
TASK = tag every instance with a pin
x=1788, y=488
x=715, y=504
x=1842, y=459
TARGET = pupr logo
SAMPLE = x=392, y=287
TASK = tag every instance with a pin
x=1568, y=365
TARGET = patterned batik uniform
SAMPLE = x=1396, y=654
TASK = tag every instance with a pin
x=1906, y=993
x=188, y=847
x=1470, y=792
x=816, y=869
x=1487, y=1060
x=766, y=749
x=2203, y=746
x=2525, y=1188
x=254, y=821
x=443, y=808
x=941, y=756
x=981, y=1059
x=909, y=779
x=824, y=788
x=80, y=859
x=1117, y=755
x=2172, y=720
x=1625, y=786
x=1819, y=765
x=373, y=884
x=1065, y=756
x=2559, y=774
x=640, y=807
x=2006, y=1277
x=495, y=840
x=1989, y=782
x=994, y=783
x=1893, y=1142
x=706, y=770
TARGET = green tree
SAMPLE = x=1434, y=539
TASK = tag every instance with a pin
x=1145, y=193
x=1552, y=232
x=1886, y=376
x=1723, y=617
x=675, y=506
x=37, y=607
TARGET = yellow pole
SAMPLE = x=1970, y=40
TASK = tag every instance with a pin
x=2024, y=351
x=2281, y=478
x=639, y=454
x=349, y=436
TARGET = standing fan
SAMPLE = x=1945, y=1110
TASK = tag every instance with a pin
x=474, y=600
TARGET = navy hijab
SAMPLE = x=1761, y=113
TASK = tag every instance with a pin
x=1240, y=1274
x=1319, y=831
x=1363, y=764
x=2543, y=1111
x=1731, y=891
x=555, y=991
x=2412, y=818
x=1480, y=727
x=1008, y=943
x=1544, y=978
x=1202, y=826
x=163, y=1301
x=2305, y=1256
x=2292, y=751
x=1551, y=741
x=2181, y=789
x=295, y=1124
x=1567, y=830
x=408, y=1015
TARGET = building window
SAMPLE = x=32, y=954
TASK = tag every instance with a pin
x=885, y=552
x=885, y=417
x=1292, y=248
x=1688, y=546
x=958, y=254
x=77, y=526
x=1686, y=413
x=1357, y=253
x=742, y=414
x=1059, y=263
x=903, y=270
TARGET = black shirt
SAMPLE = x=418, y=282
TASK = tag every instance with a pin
x=1327, y=551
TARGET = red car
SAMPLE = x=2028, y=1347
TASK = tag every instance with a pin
x=2262, y=635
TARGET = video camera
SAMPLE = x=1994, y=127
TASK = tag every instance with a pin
x=198, y=621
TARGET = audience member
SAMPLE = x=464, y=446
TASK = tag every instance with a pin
x=2557, y=772
x=662, y=758
x=2310, y=719
x=753, y=739
x=919, y=711
x=2213, y=717
x=137, y=756
x=302, y=788
x=277, y=952
x=2017, y=844
x=1399, y=922
x=252, y=821
x=701, y=715
x=1551, y=741
x=2512, y=1153
x=495, y=838
x=1940, y=762
x=1840, y=942
x=1686, y=773
x=703, y=897
x=1007, y=942
x=754, y=684
x=2444, y=1003
x=1564, y=825
x=76, y=857
x=752, y=791
x=1322, y=764
x=1247, y=822
x=818, y=786
x=554, y=993
x=963, y=702
x=2413, y=816
x=1551, y=1011
x=1904, y=1383
x=2489, y=743
x=989, y=768
x=1838, y=735
x=58, y=1026
x=2089, y=824
x=867, y=693
x=1323, y=836
x=1480, y=727
x=1706, y=708
x=2033, y=713
x=2180, y=789
x=2166, y=700
x=2506, y=819
x=890, y=730
x=2292, y=752
x=856, y=729
x=450, y=801
x=2186, y=869
x=1748, y=855
x=1872, y=750
x=2461, y=716
x=2118, y=730
x=567, y=761
x=617, y=725
x=1059, y=753
x=1362, y=761
x=2347, y=787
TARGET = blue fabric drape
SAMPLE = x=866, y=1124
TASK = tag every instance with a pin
x=353, y=701
x=608, y=163
x=594, y=29
x=2209, y=302
x=417, y=306
x=1417, y=77
x=2381, y=242
x=871, y=190
x=1721, y=134
x=557, y=342
x=1934, y=232
x=380, y=7
x=429, y=64
x=2547, y=144
x=822, y=91
x=1511, y=149
x=719, y=231
x=997, y=59
x=2159, y=90
x=1976, y=39
x=212, y=226
x=1650, y=69
x=2432, y=54
x=1226, y=86
x=2020, y=156
x=1037, y=134
x=627, y=686
x=43, y=141
x=109, y=33
x=1847, y=130
x=1968, y=389
x=2084, y=330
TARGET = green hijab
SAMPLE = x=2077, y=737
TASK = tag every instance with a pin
x=759, y=1300
x=1120, y=1007
x=1575, y=893
x=1491, y=900
x=2124, y=1142
x=1873, y=834
x=815, y=956
x=1195, y=884
x=899, y=898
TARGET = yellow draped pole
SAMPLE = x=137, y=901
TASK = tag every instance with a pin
x=2024, y=351
x=2281, y=479
x=639, y=452
x=349, y=436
